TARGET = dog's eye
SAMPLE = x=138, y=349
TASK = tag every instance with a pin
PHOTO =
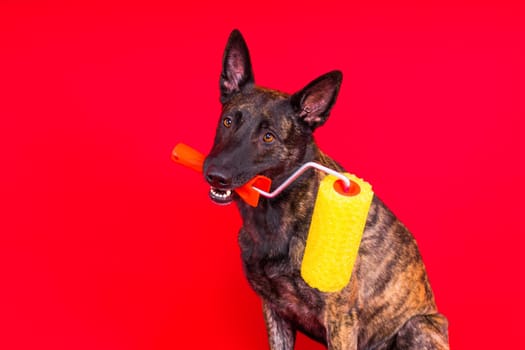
x=268, y=137
x=227, y=122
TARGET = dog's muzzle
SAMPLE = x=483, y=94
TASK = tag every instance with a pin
x=221, y=191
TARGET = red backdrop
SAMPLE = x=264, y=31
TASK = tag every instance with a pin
x=106, y=244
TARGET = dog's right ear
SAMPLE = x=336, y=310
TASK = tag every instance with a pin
x=236, y=72
x=313, y=103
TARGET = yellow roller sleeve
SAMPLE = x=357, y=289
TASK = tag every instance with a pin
x=338, y=222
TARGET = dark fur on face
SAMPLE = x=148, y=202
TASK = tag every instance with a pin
x=388, y=303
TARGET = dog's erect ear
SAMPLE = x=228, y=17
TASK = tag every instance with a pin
x=236, y=67
x=313, y=103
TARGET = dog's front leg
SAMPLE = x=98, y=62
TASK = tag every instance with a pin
x=341, y=325
x=281, y=335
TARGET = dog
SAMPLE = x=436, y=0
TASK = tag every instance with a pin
x=388, y=302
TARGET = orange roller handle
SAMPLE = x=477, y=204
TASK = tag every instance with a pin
x=185, y=155
x=251, y=196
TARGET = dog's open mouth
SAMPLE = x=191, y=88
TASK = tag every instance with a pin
x=221, y=196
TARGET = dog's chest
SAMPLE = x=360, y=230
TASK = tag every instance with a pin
x=274, y=275
x=287, y=294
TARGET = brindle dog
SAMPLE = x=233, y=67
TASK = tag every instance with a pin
x=388, y=303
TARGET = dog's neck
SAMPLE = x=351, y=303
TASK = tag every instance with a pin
x=270, y=223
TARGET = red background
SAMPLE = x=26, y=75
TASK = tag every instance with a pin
x=106, y=244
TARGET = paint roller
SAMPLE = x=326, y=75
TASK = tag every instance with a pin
x=336, y=229
x=337, y=225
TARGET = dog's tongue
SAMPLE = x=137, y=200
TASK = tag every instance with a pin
x=185, y=155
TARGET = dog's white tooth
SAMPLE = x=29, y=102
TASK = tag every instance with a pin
x=220, y=194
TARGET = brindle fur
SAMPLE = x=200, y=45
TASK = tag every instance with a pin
x=388, y=303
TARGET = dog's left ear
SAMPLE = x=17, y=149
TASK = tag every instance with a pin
x=313, y=103
x=236, y=67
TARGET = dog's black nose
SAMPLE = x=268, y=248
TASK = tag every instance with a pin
x=218, y=179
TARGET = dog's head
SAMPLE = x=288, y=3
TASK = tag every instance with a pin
x=262, y=131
